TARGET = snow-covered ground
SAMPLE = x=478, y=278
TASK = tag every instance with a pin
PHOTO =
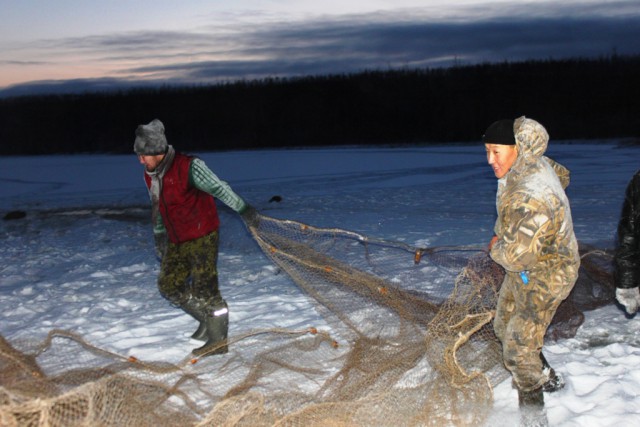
x=83, y=257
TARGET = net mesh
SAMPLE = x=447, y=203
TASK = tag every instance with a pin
x=409, y=343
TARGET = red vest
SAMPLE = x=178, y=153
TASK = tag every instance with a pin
x=187, y=213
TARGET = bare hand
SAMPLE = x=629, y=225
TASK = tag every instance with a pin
x=494, y=239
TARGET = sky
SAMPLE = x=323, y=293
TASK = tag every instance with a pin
x=91, y=43
x=82, y=260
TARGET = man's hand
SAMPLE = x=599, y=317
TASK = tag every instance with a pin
x=251, y=217
x=630, y=298
x=494, y=239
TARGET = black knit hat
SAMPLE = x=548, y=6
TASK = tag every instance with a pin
x=500, y=132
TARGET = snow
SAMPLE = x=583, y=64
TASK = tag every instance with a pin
x=83, y=258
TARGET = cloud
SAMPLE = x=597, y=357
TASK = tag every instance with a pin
x=347, y=47
x=22, y=63
x=406, y=39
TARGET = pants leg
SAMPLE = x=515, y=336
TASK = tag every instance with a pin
x=523, y=315
x=189, y=279
x=204, y=267
x=504, y=308
x=174, y=274
x=190, y=268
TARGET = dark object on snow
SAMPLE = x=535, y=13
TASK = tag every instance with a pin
x=14, y=215
x=566, y=322
x=594, y=288
x=277, y=199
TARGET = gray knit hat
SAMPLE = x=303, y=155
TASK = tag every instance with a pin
x=500, y=132
x=150, y=139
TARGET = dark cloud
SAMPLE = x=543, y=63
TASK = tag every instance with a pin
x=513, y=32
x=23, y=62
x=349, y=47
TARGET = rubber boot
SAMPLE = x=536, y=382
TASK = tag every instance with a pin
x=196, y=308
x=217, y=326
x=532, y=413
x=555, y=381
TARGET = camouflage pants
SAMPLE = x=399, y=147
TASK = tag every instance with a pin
x=523, y=314
x=190, y=268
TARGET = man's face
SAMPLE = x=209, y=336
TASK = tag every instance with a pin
x=501, y=158
x=150, y=162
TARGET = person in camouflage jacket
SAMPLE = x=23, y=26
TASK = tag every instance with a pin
x=627, y=256
x=535, y=243
x=182, y=190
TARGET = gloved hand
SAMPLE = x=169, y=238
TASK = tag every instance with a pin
x=630, y=298
x=250, y=216
x=160, y=240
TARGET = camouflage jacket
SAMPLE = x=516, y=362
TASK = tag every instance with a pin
x=534, y=225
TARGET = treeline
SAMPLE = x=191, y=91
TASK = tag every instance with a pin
x=574, y=99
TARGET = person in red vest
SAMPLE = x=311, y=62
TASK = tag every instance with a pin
x=185, y=225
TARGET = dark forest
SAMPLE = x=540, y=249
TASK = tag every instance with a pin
x=573, y=99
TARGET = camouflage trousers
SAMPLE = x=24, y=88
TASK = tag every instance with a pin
x=523, y=314
x=190, y=268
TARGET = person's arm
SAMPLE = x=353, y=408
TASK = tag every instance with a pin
x=158, y=227
x=160, y=238
x=205, y=180
x=627, y=256
x=626, y=259
x=526, y=225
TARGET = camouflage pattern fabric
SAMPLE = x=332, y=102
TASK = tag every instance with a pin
x=190, y=268
x=535, y=239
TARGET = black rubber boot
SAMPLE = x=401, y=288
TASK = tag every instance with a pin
x=217, y=326
x=196, y=308
x=532, y=413
x=201, y=333
x=555, y=381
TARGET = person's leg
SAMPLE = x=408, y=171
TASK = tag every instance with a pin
x=535, y=306
x=531, y=404
x=174, y=273
x=204, y=267
x=205, y=289
x=554, y=381
x=180, y=278
x=504, y=307
x=217, y=326
x=203, y=260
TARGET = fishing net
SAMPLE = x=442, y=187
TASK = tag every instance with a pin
x=407, y=341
